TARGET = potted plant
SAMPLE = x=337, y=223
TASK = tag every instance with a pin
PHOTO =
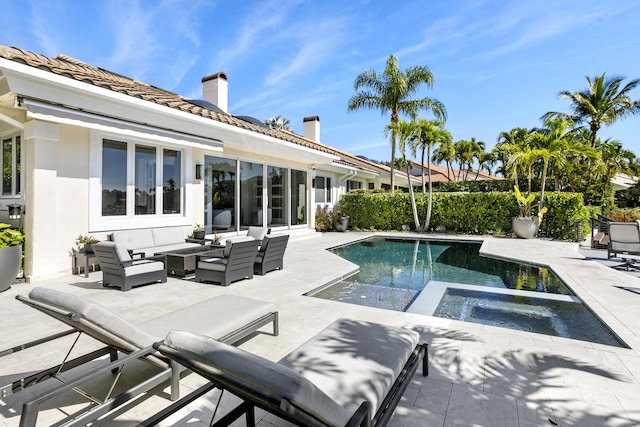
x=341, y=223
x=84, y=243
x=199, y=232
x=526, y=225
x=10, y=255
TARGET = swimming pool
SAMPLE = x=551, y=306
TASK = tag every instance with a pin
x=451, y=280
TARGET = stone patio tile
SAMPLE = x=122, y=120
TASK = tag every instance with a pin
x=582, y=414
x=469, y=407
x=434, y=395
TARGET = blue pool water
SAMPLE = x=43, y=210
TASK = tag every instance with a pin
x=451, y=280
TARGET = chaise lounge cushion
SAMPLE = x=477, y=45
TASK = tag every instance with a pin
x=354, y=373
x=260, y=373
x=222, y=315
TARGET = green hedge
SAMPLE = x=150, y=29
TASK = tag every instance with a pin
x=469, y=213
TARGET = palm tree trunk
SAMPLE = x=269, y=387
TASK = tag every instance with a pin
x=544, y=183
x=393, y=159
x=422, y=169
x=416, y=219
x=427, y=220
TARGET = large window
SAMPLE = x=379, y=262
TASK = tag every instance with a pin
x=298, y=197
x=154, y=171
x=323, y=189
x=219, y=194
x=10, y=164
x=277, y=187
x=251, y=188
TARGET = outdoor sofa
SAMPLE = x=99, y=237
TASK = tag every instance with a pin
x=227, y=318
x=149, y=241
x=351, y=373
x=624, y=243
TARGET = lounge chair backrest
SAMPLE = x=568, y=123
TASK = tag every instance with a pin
x=624, y=237
x=92, y=318
x=229, y=243
x=250, y=376
x=275, y=246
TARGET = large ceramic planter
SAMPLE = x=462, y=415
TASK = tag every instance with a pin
x=341, y=223
x=525, y=228
x=10, y=261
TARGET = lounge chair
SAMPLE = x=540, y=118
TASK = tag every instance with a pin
x=227, y=318
x=271, y=253
x=119, y=269
x=351, y=373
x=235, y=263
x=624, y=243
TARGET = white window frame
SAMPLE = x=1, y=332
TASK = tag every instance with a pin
x=15, y=161
x=98, y=222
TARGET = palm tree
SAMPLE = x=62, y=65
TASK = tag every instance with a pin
x=507, y=142
x=615, y=159
x=405, y=131
x=428, y=134
x=278, y=122
x=446, y=152
x=391, y=91
x=602, y=103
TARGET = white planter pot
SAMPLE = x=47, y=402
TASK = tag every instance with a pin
x=525, y=228
x=10, y=262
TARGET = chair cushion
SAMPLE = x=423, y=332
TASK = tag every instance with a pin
x=134, y=239
x=167, y=236
x=257, y=233
x=225, y=314
x=143, y=266
x=213, y=264
x=96, y=313
x=353, y=361
x=266, y=375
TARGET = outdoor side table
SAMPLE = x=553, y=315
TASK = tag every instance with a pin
x=78, y=258
x=201, y=241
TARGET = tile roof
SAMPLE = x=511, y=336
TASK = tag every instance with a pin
x=72, y=68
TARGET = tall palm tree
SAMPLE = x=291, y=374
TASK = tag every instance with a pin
x=616, y=159
x=428, y=134
x=507, y=142
x=602, y=103
x=405, y=131
x=391, y=92
x=278, y=122
x=446, y=152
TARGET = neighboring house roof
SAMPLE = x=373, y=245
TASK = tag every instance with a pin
x=441, y=174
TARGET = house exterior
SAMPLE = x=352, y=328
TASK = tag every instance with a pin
x=87, y=152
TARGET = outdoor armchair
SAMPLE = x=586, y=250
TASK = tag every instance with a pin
x=119, y=269
x=624, y=243
x=271, y=253
x=235, y=263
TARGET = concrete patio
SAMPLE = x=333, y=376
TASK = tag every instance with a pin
x=479, y=375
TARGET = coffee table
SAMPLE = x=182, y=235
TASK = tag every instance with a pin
x=182, y=262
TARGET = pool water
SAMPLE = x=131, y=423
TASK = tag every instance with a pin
x=451, y=280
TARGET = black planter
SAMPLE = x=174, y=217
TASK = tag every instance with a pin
x=199, y=235
x=88, y=248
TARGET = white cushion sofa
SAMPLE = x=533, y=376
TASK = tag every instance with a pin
x=152, y=240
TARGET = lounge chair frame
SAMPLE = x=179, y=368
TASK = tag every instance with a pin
x=170, y=371
x=253, y=396
x=624, y=243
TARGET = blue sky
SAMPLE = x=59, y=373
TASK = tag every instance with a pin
x=498, y=64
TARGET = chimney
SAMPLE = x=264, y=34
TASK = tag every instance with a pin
x=215, y=89
x=311, y=128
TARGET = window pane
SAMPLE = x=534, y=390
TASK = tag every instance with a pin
x=7, y=166
x=172, y=182
x=219, y=194
x=145, y=172
x=251, y=194
x=276, y=188
x=114, y=178
x=320, y=190
x=298, y=197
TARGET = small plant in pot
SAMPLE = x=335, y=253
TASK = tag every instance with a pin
x=84, y=243
x=199, y=232
x=11, y=241
x=526, y=225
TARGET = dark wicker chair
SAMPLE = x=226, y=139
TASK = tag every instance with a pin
x=271, y=254
x=235, y=263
